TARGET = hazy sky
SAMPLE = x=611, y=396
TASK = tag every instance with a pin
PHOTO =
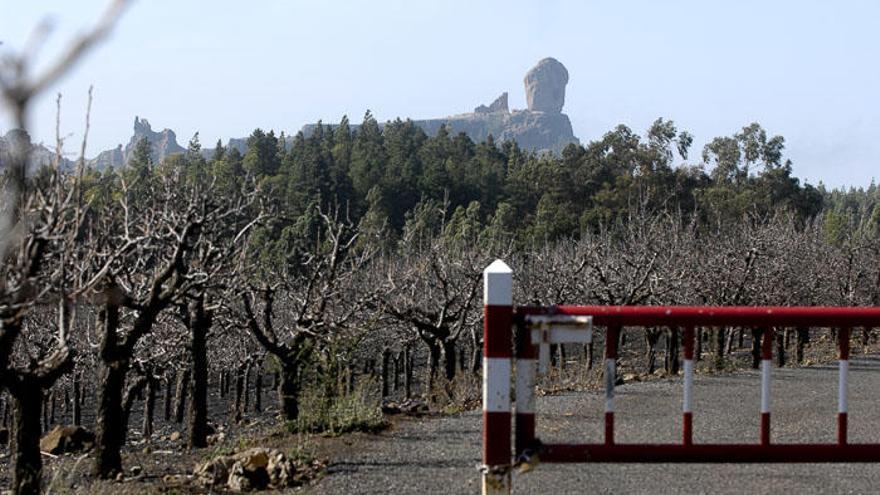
x=806, y=70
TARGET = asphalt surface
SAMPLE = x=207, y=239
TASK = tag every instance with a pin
x=440, y=455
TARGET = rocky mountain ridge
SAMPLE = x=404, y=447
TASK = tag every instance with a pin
x=542, y=127
x=40, y=155
x=162, y=144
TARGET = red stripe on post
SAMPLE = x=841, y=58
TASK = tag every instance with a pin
x=843, y=342
x=525, y=432
x=609, y=428
x=497, y=333
x=524, y=347
x=765, y=429
x=689, y=342
x=767, y=343
x=496, y=438
x=688, y=429
x=841, y=429
x=611, y=338
x=524, y=423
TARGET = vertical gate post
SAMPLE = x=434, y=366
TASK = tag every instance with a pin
x=611, y=336
x=843, y=372
x=497, y=354
x=526, y=371
x=766, y=363
x=688, y=399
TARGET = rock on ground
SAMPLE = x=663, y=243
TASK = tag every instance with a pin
x=67, y=439
x=253, y=469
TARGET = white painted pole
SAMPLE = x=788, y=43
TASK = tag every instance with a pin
x=497, y=355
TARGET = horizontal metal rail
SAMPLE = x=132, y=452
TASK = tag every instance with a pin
x=714, y=316
x=710, y=453
x=764, y=319
x=536, y=327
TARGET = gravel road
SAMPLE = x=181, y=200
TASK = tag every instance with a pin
x=439, y=455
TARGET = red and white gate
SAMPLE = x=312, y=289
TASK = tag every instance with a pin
x=538, y=327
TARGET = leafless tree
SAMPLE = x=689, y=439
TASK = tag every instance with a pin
x=38, y=220
x=433, y=292
x=313, y=298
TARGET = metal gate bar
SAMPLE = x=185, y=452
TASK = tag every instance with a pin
x=500, y=315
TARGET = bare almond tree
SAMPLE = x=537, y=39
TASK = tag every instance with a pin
x=433, y=293
x=165, y=227
x=300, y=308
x=37, y=221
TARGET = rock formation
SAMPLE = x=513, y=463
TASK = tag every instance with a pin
x=499, y=105
x=162, y=144
x=545, y=86
x=542, y=127
x=39, y=155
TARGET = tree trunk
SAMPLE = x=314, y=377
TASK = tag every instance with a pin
x=109, y=422
x=134, y=392
x=449, y=356
x=4, y=417
x=180, y=396
x=288, y=391
x=247, y=387
x=652, y=336
x=220, y=385
x=168, y=395
x=698, y=349
x=398, y=365
x=672, y=361
x=200, y=321
x=407, y=372
x=476, y=359
x=462, y=367
x=719, y=347
x=349, y=379
x=781, y=337
x=386, y=371
x=434, y=352
x=77, y=399
x=731, y=334
x=589, y=356
x=45, y=404
x=51, y=408
x=258, y=390
x=803, y=337
x=149, y=408
x=757, y=333
x=26, y=461
x=560, y=351
x=237, y=413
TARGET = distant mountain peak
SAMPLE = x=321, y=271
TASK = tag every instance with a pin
x=162, y=144
x=540, y=127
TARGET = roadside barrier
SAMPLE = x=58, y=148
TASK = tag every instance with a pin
x=531, y=330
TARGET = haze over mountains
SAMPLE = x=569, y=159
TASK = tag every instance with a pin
x=542, y=127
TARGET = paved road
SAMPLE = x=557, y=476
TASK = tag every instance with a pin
x=439, y=455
